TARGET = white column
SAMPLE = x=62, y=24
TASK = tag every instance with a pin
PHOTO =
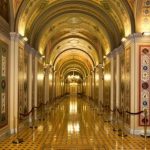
x=89, y=85
x=50, y=83
x=11, y=81
x=54, y=87
x=93, y=84
x=100, y=85
x=16, y=115
x=46, y=86
x=112, y=83
x=35, y=85
x=117, y=79
x=30, y=76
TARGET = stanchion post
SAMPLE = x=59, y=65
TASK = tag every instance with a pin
x=17, y=140
x=107, y=114
x=116, y=128
x=33, y=119
x=100, y=109
x=123, y=134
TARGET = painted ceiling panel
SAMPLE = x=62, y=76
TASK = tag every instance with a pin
x=68, y=30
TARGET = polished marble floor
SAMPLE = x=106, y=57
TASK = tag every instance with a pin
x=72, y=125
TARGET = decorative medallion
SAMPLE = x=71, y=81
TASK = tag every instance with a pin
x=145, y=103
x=3, y=84
x=145, y=68
x=144, y=83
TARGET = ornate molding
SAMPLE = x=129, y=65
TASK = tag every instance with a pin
x=115, y=51
x=4, y=27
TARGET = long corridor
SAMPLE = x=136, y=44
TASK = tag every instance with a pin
x=72, y=124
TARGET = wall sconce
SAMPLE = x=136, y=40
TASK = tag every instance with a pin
x=107, y=77
x=25, y=38
x=104, y=57
x=43, y=56
x=124, y=39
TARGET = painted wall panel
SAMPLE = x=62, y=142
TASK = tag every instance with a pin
x=122, y=80
x=144, y=82
x=3, y=84
x=22, y=80
x=127, y=82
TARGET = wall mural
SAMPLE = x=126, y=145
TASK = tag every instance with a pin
x=3, y=87
x=22, y=80
x=107, y=84
x=122, y=80
x=127, y=82
x=4, y=12
x=33, y=78
x=40, y=82
x=144, y=82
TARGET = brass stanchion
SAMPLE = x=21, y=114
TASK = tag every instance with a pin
x=102, y=108
x=42, y=112
x=17, y=140
x=33, y=119
x=107, y=114
x=116, y=124
x=122, y=132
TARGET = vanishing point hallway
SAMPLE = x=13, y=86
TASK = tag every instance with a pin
x=72, y=124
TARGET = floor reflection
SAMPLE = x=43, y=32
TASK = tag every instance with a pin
x=71, y=125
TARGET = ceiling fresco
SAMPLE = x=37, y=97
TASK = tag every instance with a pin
x=74, y=24
x=69, y=30
x=29, y=16
x=143, y=16
x=16, y=5
x=74, y=55
x=132, y=4
x=75, y=44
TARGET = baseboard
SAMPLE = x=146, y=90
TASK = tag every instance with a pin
x=138, y=131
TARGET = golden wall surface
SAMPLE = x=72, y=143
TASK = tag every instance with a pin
x=40, y=83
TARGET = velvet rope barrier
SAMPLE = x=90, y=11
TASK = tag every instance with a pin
x=35, y=107
x=136, y=113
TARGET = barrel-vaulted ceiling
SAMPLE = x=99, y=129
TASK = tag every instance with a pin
x=84, y=30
